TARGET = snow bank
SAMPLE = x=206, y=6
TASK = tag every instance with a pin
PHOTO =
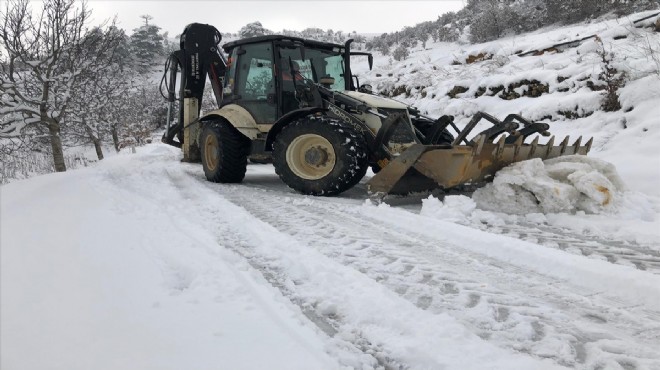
x=578, y=193
x=560, y=185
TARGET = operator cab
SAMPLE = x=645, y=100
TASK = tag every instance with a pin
x=263, y=73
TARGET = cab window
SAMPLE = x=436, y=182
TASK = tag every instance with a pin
x=259, y=80
x=255, y=83
x=334, y=67
x=256, y=72
x=317, y=63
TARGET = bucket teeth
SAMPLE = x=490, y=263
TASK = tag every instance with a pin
x=549, y=145
x=479, y=145
x=576, y=145
x=588, y=145
x=564, y=144
x=534, y=145
x=516, y=147
x=500, y=146
x=519, y=141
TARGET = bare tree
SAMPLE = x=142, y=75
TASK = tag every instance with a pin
x=46, y=55
x=96, y=92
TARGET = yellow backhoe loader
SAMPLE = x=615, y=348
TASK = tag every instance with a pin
x=297, y=102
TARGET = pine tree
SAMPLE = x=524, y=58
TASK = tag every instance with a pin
x=146, y=45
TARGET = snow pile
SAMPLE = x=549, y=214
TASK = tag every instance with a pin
x=560, y=185
x=569, y=184
x=578, y=193
x=455, y=208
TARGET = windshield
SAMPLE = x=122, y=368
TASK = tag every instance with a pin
x=318, y=63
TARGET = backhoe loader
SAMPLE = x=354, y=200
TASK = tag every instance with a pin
x=297, y=101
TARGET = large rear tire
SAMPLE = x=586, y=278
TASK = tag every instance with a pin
x=319, y=155
x=224, y=152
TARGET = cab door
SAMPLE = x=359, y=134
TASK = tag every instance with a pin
x=254, y=81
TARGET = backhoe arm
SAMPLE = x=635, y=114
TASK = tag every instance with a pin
x=199, y=56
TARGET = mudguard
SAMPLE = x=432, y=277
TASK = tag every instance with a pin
x=238, y=117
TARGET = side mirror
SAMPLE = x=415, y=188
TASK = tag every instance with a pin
x=370, y=57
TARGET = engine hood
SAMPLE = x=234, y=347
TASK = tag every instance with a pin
x=375, y=101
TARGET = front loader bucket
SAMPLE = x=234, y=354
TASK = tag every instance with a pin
x=423, y=168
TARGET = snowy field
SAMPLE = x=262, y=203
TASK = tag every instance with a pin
x=137, y=262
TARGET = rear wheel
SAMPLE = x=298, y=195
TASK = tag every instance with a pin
x=319, y=155
x=224, y=152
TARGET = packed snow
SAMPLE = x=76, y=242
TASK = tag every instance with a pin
x=560, y=185
x=137, y=262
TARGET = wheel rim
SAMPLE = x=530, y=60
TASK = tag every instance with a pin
x=310, y=156
x=211, y=152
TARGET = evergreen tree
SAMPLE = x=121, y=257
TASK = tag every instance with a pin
x=146, y=45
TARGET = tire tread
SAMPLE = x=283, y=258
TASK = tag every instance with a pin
x=234, y=149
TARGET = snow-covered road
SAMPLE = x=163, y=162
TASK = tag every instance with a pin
x=150, y=266
x=541, y=315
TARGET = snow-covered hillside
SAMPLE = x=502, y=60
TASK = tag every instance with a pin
x=137, y=262
x=559, y=84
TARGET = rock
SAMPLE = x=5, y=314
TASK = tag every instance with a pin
x=456, y=90
x=478, y=58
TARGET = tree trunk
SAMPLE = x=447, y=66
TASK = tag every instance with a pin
x=56, y=145
x=115, y=138
x=99, y=151
x=95, y=140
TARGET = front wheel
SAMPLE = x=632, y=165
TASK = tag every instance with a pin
x=320, y=155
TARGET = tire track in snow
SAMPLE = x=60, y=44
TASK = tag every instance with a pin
x=628, y=253
x=372, y=355
x=640, y=256
x=507, y=305
x=354, y=352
